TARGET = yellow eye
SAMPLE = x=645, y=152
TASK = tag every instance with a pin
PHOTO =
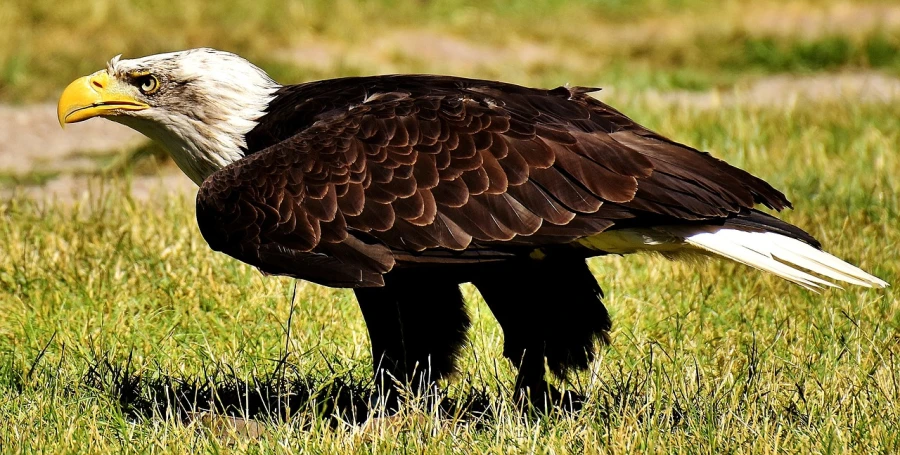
x=148, y=84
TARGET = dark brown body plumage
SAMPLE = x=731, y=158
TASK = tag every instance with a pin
x=405, y=186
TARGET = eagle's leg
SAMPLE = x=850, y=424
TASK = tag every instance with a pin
x=550, y=311
x=417, y=324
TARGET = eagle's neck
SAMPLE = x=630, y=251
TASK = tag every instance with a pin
x=205, y=120
x=197, y=148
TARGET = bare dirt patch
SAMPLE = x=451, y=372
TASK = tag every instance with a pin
x=31, y=140
x=785, y=90
x=798, y=19
x=441, y=52
x=462, y=55
x=788, y=19
x=68, y=188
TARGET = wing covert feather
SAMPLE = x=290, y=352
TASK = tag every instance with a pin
x=413, y=170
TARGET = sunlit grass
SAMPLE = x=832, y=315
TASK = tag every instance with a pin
x=689, y=44
x=706, y=357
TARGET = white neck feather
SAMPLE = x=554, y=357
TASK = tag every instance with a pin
x=221, y=98
x=199, y=149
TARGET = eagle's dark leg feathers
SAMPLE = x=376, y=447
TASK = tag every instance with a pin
x=417, y=324
x=549, y=309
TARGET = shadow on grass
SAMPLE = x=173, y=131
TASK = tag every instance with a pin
x=657, y=392
x=274, y=397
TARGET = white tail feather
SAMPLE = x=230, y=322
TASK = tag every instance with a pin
x=775, y=253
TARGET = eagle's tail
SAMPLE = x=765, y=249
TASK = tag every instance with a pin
x=752, y=238
x=769, y=244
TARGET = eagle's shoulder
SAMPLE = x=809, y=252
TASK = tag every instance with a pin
x=295, y=108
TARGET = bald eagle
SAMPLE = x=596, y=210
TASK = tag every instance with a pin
x=403, y=187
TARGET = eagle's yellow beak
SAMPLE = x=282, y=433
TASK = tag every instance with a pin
x=95, y=95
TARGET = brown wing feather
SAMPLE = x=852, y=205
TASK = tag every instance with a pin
x=400, y=176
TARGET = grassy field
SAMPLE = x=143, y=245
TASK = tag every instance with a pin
x=118, y=325
x=693, y=44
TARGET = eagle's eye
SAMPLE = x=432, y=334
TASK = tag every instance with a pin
x=148, y=84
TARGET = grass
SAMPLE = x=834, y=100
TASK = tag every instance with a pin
x=119, y=327
x=831, y=52
x=687, y=44
x=110, y=305
x=31, y=178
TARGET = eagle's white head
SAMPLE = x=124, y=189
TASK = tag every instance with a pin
x=199, y=104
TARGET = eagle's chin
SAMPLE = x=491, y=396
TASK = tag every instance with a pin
x=199, y=149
